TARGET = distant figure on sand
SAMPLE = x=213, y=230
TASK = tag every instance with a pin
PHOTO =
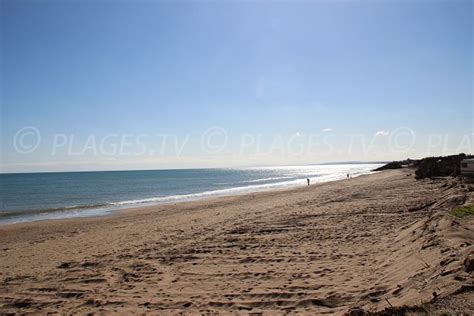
x=307, y=180
x=347, y=176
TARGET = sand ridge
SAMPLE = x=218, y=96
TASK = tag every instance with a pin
x=368, y=243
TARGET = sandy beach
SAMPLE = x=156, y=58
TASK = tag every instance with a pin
x=371, y=243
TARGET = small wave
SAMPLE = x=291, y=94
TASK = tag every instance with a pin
x=267, y=179
x=256, y=180
x=237, y=190
x=7, y=214
x=221, y=192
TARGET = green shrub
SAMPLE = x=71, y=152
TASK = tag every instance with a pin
x=462, y=211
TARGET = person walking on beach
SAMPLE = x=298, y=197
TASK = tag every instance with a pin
x=347, y=176
x=307, y=179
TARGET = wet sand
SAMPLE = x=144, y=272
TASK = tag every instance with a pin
x=369, y=243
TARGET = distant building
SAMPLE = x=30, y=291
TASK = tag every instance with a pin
x=467, y=167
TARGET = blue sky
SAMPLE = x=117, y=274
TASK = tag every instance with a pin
x=334, y=71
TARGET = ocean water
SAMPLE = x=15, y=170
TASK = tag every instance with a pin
x=38, y=196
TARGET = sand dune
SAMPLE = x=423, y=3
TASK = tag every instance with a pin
x=366, y=244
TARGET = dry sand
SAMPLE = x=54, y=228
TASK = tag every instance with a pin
x=368, y=243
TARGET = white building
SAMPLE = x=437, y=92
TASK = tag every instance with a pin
x=467, y=167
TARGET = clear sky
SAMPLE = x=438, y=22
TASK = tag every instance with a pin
x=170, y=84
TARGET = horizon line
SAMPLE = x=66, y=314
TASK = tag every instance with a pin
x=202, y=168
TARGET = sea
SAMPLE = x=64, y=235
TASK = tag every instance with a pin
x=27, y=197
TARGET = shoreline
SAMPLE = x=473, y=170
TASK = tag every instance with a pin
x=118, y=207
x=327, y=248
